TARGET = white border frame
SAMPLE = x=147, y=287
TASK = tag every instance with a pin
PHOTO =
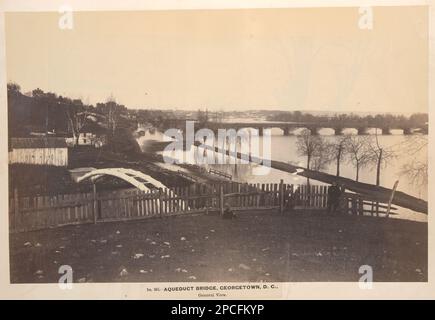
x=299, y=290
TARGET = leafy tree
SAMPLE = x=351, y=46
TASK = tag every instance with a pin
x=13, y=88
x=418, y=119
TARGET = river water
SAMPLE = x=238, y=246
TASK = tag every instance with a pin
x=284, y=148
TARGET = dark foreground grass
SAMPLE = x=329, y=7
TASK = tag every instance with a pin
x=257, y=246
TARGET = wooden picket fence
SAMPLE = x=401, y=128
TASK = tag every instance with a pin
x=40, y=212
x=356, y=204
x=309, y=197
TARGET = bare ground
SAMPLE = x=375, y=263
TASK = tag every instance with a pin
x=257, y=246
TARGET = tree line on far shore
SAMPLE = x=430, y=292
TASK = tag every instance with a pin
x=416, y=120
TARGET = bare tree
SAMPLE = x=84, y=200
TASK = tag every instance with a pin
x=314, y=148
x=359, y=153
x=311, y=146
x=77, y=117
x=379, y=155
x=416, y=170
x=321, y=158
x=112, y=111
x=338, y=150
x=112, y=114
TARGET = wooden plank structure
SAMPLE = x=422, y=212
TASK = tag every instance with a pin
x=40, y=212
x=39, y=151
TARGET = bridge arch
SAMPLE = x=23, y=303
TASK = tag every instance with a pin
x=352, y=131
x=327, y=131
x=276, y=130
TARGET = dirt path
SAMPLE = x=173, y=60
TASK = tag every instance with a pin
x=257, y=246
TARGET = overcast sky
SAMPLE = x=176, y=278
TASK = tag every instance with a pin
x=304, y=59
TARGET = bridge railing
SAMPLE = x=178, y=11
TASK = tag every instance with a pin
x=221, y=174
x=40, y=212
x=186, y=176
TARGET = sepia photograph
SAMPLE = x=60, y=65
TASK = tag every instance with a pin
x=240, y=147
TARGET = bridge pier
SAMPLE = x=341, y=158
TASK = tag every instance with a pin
x=385, y=131
x=287, y=131
x=260, y=131
x=362, y=131
x=215, y=132
x=338, y=131
x=406, y=131
x=314, y=131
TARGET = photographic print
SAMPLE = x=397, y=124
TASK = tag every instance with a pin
x=217, y=149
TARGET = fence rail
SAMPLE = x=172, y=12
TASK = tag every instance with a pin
x=32, y=213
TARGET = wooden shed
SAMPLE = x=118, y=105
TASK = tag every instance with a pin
x=39, y=151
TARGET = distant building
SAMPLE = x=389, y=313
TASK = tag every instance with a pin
x=91, y=134
x=39, y=151
x=85, y=139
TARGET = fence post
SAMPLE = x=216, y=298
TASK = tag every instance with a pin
x=16, y=209
x=354, y=206
x=221, y=199
x=94, y=187
x=360, y=206
x=281, y=196
x=161, y=201
x=344, y=204
x=391, y=198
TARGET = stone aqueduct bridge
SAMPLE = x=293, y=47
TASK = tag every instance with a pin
x=289, y=127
